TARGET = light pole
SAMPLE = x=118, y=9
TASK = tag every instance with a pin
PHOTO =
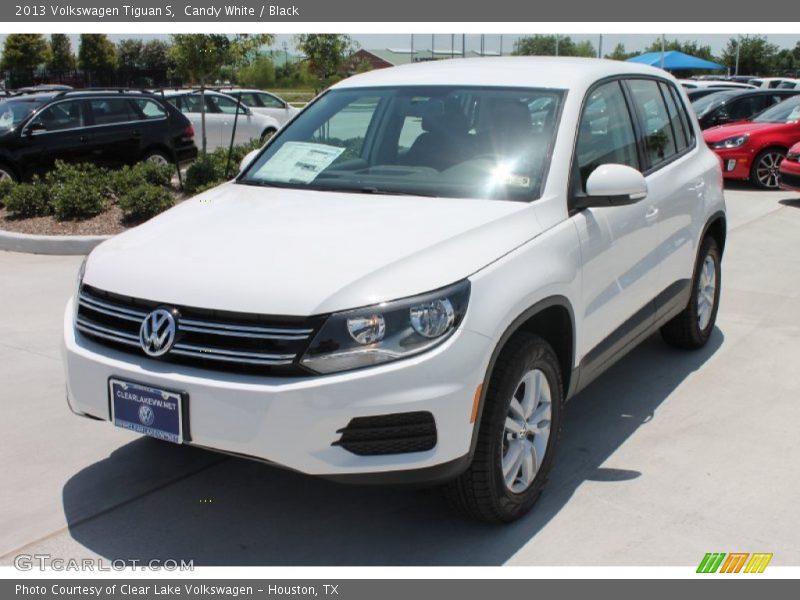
x=738, y=47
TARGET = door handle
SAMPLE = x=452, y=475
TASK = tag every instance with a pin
x=137, y=134
x=83, y=138
x=651, y=213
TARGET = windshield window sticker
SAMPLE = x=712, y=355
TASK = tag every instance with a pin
x=298, y=162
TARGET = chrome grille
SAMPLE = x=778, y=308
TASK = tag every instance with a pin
x=208, y=338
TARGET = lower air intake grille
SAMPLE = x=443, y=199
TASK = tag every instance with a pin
x=389, y=434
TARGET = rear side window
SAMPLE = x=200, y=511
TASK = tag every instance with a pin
x=605, y=133
x=681, y=140
x=744, y=108
x=150, y=109
x=659, y=136
x=683, y=115
x=108, y=111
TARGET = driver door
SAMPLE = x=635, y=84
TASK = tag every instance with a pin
x=57, y=132
x=620, y=264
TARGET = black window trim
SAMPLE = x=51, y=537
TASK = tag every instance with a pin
x=86, y=114
x=652, y=168
x=574, y=191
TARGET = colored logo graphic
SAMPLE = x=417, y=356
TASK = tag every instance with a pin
x=735, y=562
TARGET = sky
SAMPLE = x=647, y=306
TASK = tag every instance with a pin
x=493, y=42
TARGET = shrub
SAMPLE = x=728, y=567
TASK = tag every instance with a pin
x=6, y=185
x=28, y=200
x=75, y=199
x=86, y=173
x=144, y=201
x=130, y=177
x=209, y=170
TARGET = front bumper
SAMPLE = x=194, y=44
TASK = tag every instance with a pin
x=790, y=175
x=736, y=163
x=292, y=422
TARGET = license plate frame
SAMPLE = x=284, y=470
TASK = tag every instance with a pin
x=166, y=415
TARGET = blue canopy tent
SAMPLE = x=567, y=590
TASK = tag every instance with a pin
x=675, y=61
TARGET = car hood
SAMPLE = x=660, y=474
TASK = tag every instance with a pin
x=721, y=132
x=296, y=252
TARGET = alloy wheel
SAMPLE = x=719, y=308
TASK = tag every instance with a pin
x=767, y=169
x=526, y=431
x=706, y=292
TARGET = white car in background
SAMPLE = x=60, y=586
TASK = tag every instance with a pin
x=722, y=84
x=265, y=103
x=220, y=115
x=411, y=278
x=779, y=83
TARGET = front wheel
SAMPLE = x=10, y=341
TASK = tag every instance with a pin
x=7, y=174
x=692, y=327
x=518, y=434
x=766, y=168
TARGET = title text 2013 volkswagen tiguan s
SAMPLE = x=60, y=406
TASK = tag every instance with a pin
x=410, y=279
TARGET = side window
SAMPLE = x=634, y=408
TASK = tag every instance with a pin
x=108, y=111
x=681, y=140
x=605, y=132
x=190, y=103
x=150, y=109
x=249, y=98
x=271, y=101
x=683, y=115
x=223, y=104
x=745, y=108
x=62, y=115
x=659, y=138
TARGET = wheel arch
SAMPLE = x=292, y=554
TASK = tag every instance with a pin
x=717, y=227
x=553, y=319
x=157, y=147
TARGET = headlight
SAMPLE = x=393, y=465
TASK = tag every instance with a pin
x=78, y=284
x=385, y=332
x=732, y=142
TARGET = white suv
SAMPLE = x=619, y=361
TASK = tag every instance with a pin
x=410, y=279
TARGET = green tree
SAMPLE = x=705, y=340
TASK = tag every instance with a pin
x=619, y=53
x=61, y=57
x=325, y=53
x=199, y=58
x=155, y=55
x=259, y=74
x=756, y=55
x=129, y=54
x=24, y=51
x=551, y=45
x=97, y=55
x=785, y=63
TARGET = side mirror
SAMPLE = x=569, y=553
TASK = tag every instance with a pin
x=613, y=185
x=248, y=158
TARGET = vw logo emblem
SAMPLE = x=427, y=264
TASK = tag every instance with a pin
x=146, y=415
x=157, y=333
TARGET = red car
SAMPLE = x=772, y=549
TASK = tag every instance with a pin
x=755, y=149
x=790, y=170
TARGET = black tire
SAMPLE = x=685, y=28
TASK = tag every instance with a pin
x=684, y=330
x=8, y=173
x=268, y=133
x=157, y=156
x=481, y=491
x=769, y=159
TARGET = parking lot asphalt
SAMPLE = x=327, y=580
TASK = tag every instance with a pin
x=666, y=457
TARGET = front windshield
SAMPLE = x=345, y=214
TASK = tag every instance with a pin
x=787, y=111
x=702, y=105
x=467, y=142
x=13, y=112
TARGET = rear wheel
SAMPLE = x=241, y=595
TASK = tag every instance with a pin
x=268, y=133
x=765, y=170
x=692, y=327
x=157, y=157
x=518, y=434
